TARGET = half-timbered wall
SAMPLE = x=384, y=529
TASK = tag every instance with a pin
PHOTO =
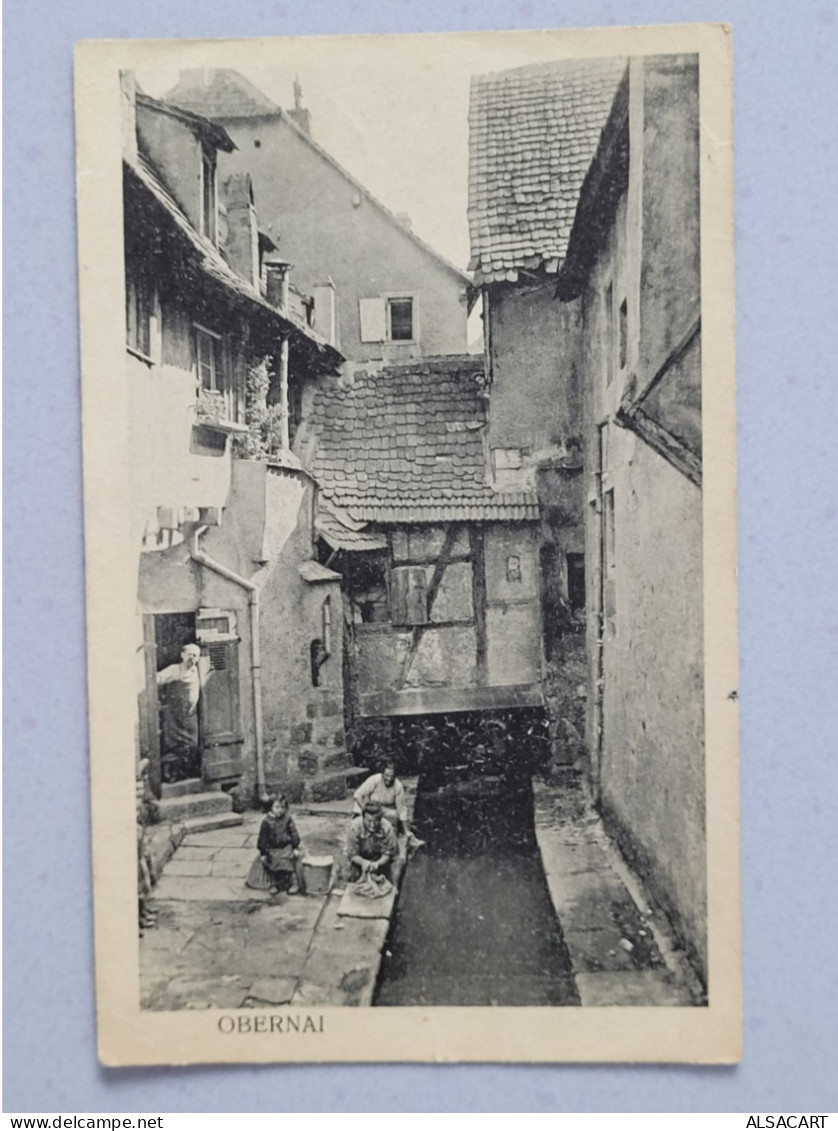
x=458, y=624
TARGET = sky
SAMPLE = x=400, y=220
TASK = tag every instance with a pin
x=393, y=110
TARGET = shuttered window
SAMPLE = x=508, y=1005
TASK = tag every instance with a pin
x=408, y=595
x=373, y=314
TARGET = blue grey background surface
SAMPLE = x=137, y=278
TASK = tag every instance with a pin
x=787, y=303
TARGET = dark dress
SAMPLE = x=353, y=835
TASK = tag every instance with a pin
x=278, y=837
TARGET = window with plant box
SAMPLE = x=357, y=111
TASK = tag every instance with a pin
x=215, y=399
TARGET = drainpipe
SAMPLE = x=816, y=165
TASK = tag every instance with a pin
x=204, y=559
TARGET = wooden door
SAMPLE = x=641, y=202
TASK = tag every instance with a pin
x=219, y=712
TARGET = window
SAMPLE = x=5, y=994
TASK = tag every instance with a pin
x=139, y=306
x=209, y=355
x=623, y=333
x=400, y=319
x=215, y=385
x=513, y=568
x=609, y=333
x=408, y=595
x=208, y=197
x=385, y=319
x=576, y=582
x=609, y=556
x=366, y=584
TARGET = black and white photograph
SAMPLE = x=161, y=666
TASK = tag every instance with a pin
x=408, y=402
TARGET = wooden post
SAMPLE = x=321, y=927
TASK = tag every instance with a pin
x=479, y=600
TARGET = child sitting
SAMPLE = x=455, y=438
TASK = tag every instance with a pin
x=279, y=851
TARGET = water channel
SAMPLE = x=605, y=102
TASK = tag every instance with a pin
x=474, y=924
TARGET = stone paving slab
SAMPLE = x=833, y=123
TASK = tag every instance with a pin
x=613, y=946
x=213, y=839
x=196, y=852
x=632, y=988
x=201, y=889
x=181, y=867
x=218, y=944
x=599, y=950
x=272, y=991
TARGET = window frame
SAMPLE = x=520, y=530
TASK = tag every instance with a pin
x=389, y=302
x=209, y=203
x=222, y=372
x=140, y=299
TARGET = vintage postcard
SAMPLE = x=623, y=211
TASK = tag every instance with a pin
x=408, y=387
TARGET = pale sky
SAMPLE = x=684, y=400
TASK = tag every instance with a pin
x=393, y=110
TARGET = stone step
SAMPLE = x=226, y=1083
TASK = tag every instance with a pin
x=211, y=822
x=194, y=805
x=333, y=785
x=312, y=760
x=182, y=788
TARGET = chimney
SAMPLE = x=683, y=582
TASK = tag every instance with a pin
x=299, y=114
x=276, y=281
x=405, y=220
x=191, y=79
x=128, y=94
x=241, y=246
x=325, y=316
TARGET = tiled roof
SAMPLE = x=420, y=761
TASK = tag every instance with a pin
x=209, y=131
x=341, y=537
x=221, y=93
x=405, y=444
x=532, y=134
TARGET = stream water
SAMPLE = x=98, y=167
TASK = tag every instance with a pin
x=474, y=924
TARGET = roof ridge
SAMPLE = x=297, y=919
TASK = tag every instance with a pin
x=288, y=120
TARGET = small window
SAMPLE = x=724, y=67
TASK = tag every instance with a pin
x=400, y=319
x=139, y=304
x=609, y=334
x=513, y=568
x=209, y=356
x=208, y=197
x=623, y=333
x=507, y=459
x=576, y=582
x=408, y=596
x=387, y=319
x=609, y=556
x=366, y=585
x=326, y=617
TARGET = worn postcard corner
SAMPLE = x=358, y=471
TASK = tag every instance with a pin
x=408, y=390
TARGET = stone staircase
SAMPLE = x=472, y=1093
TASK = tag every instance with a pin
x=197, y=809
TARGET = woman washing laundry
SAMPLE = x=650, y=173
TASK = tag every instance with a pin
x=386, y=789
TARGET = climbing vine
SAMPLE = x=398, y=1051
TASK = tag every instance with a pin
x=263, y=438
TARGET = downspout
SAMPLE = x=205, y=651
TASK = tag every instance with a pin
x=204, y=559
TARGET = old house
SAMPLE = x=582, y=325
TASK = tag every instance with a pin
x=217, y=354
x=633, y=267
x=533, y=132
x=394, y=297
x=585, y=234
x=440, y=572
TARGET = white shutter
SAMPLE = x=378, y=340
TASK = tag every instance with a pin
x=373, y=319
